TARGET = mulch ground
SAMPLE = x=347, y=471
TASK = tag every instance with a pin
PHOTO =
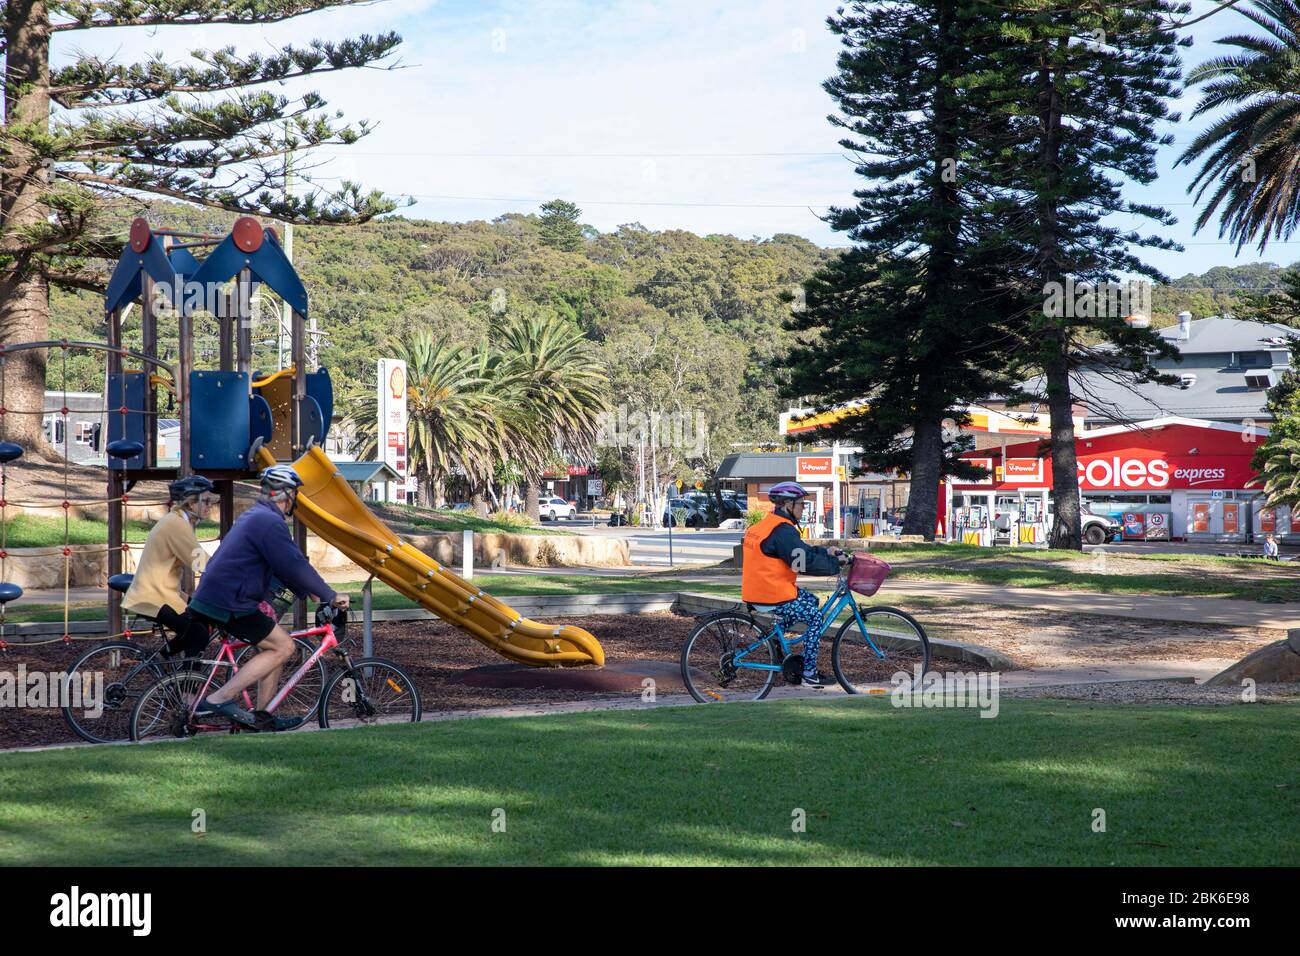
x=439, y=657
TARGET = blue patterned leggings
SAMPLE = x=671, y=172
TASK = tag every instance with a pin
x=803, y=608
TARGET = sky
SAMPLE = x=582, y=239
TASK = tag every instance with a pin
x=705, y=115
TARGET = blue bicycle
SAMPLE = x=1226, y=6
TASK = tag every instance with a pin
x=731, y=656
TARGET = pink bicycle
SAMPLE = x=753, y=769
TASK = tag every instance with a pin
x=367, y=691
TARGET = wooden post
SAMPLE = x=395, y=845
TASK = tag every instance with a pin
x=115, y=483
x=298, y=439
x=149, y=346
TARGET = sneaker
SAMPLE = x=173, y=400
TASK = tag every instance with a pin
x=229, y=709
x=818, y=681
x=269, y=723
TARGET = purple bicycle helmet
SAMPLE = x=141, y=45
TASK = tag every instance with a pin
x=787, y=491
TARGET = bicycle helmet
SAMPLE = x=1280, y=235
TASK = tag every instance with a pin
x=188, y=487
x=787, y=491
x=280, y=478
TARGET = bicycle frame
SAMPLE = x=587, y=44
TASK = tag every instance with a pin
x=834, y=606
x=227, y=653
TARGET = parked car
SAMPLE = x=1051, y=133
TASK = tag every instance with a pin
x=462, y=506
x=701, y=511
x=556, y=508
x=1096, y=528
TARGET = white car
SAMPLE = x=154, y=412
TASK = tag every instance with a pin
x=555, y=508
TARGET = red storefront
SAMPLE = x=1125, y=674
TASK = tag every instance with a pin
x=1178, y=478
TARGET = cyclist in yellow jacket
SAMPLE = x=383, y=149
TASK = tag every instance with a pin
x=774, y=555
x=171, y=548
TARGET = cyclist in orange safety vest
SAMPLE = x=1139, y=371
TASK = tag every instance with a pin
x=774, y=554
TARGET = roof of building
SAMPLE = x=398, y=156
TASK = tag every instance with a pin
x=1215, y=392
x=758, y=465
x=1218, y=334
x=364, y=472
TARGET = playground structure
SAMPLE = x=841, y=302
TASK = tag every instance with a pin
x=233, y=423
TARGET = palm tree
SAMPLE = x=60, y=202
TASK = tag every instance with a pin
x=557, y=392
x=1280, y=474
x=452, y=411
x=1252, y=153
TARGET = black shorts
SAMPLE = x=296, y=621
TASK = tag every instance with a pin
x=250, y=628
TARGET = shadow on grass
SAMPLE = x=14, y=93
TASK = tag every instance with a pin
x=716, y=785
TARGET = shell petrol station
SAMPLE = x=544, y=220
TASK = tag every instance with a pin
x=1167, y=478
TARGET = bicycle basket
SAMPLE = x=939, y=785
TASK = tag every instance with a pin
x=867, y=574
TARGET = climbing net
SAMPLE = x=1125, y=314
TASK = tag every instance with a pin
x=118, y=452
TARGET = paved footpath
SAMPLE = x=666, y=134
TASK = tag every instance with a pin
x=1190, y=610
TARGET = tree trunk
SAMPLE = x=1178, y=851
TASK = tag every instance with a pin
x=24, y=293
x=479, y=502
x=1066, y=528
x=923, y=499
x=532, y=499
x=1066, y=531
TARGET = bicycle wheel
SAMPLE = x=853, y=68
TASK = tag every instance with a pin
x=709, y=668
x=900, y=644
x=371, y=691
x=123, y=669
x=163, y=710
x=301, y=703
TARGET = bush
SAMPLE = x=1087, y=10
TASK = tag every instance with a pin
x=511, y=519
x=753, y=516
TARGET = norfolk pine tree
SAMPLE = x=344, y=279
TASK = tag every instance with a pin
x=913, y=319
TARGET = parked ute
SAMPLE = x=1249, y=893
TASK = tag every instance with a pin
x=1095, y=528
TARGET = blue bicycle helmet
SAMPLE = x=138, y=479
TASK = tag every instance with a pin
x=280, y=478
x=787, y=491
x=188, y=487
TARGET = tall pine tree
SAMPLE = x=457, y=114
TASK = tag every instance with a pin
x=1081, y=87
x=914, y=319
x=82, y=137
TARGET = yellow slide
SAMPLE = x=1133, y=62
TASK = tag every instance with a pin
x=329, y=507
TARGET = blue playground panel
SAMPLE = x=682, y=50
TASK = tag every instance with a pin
x=126, y=389
x=321, y=388
x=220, y=420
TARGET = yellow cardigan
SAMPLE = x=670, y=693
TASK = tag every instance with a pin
x=170, y=548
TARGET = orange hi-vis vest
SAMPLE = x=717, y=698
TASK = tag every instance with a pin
x=764, y=579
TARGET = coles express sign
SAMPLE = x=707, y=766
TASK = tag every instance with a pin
x=1126, y=471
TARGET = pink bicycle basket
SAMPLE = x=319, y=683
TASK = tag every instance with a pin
x=867, y=574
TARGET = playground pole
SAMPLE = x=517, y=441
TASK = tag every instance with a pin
x=115, y=484
x=367, y=619
x=295, y=417
x=149, y=346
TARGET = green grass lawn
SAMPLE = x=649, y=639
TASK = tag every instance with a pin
x=428, y=519
x=41, y=531
x=1200, y=786
x=1283, y=589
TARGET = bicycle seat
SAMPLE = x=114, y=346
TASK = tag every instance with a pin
x=121, y=582
x=10, y=592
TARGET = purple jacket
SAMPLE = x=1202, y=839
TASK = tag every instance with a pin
x=258, y=547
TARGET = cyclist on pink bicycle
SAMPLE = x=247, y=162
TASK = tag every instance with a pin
x=774, y=555
x=237, y=581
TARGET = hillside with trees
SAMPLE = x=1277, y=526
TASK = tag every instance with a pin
x=684, y=325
